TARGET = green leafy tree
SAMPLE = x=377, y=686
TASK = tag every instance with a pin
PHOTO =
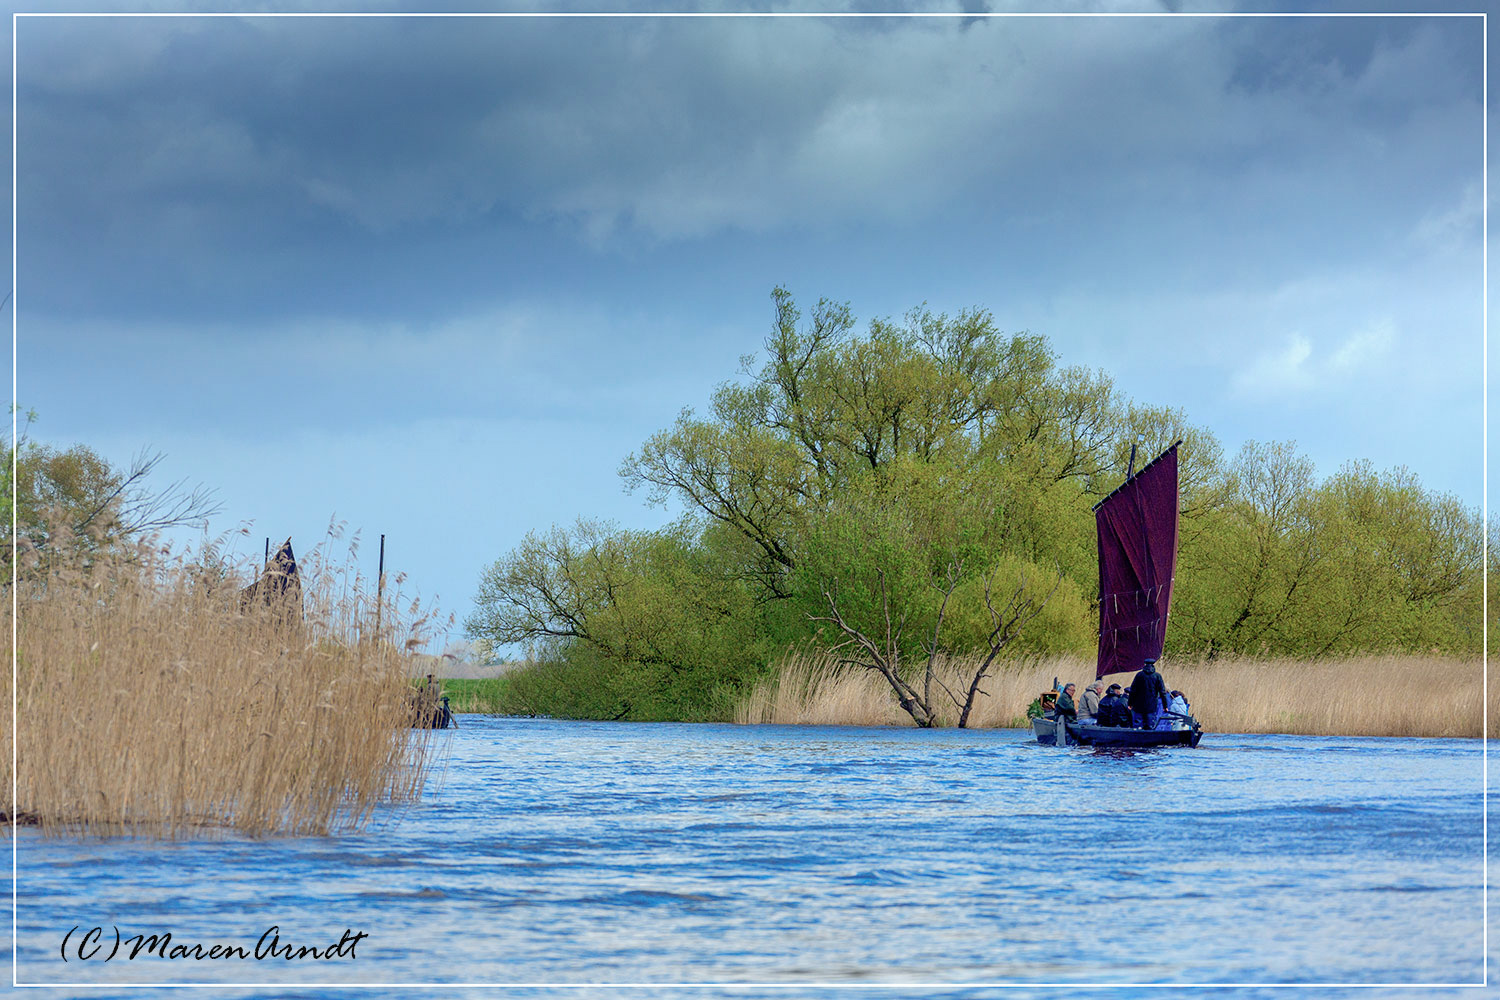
x=827, y=408
x=1408, y=562
x=905, y=570
x=1363, y=561
x=923, y=490
x=77, y=492
x=652, y=615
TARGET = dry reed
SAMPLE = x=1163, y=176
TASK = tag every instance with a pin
x=148, y=703
x=1365, y=696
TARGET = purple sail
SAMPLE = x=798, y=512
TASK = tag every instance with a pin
x=1137, y=556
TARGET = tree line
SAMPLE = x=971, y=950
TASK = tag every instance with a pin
x=926, y=485
x=919, y=489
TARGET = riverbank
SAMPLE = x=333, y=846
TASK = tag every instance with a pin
x=150, y=703
x=1361, y=696
x=1427, y=696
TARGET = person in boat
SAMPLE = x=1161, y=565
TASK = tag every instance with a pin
x=1088, y=705
x=1065, y=708
x=1113, y=709
x=1175, y=714
x=1148, y=696
x=429, y=699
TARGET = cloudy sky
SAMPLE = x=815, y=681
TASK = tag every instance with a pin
x=438, y=277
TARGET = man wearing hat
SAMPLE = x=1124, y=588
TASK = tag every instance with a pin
x=1148, y=696
x=1113, y=711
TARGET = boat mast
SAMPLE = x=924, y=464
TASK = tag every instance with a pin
x=1131, y=476
x=380, y=588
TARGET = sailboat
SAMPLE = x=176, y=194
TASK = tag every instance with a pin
x=1137, y=530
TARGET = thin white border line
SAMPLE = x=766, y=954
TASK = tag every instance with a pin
x=810, y=985
x=1484, y=494
x=745, y=14
x=15, y=622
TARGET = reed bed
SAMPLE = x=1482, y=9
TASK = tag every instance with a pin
x=1364, y=696
x=149, y=703
x=811, y=689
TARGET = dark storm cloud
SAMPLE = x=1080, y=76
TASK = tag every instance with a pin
x=269, y=164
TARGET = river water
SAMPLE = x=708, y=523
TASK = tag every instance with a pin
x=788, y=858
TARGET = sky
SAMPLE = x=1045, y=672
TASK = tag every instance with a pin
x=437, y=278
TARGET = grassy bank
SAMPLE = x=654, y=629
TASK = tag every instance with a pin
x=1368, y=696
x=149, y=703
x=485, y=695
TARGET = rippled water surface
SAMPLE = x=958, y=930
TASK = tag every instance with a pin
x=551, y=852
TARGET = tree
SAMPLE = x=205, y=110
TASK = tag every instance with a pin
x=906, y=571
x=1364, y=561
x=881, y=650
x=922, y=491
x=826, y=409
x=96, y=504
x=657, y=616
x=1410, y=560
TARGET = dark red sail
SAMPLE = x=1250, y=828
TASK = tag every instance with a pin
x=1137, y=556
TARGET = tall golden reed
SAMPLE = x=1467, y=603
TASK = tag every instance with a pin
x=148, y=703
x=1365, y=696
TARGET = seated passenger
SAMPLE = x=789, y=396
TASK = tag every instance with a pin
x=1113, y=710
x=1174, y=713
x=1065, y=708
x=1088, y=702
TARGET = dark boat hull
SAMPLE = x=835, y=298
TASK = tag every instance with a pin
x=428, y=714
x=1113, y=736
x=432, y=718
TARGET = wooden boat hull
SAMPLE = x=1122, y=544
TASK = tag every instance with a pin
x=1087, y=735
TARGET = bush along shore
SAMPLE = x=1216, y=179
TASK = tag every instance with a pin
x=153, y=700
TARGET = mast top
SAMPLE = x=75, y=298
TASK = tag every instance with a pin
x=1130, y=479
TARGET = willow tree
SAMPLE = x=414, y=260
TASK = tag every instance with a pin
x=1363, y=561
x=906, y=573
x=915, y=482
x=826, y=408
x=667, y=626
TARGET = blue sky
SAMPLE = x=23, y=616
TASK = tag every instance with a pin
x=437, y=278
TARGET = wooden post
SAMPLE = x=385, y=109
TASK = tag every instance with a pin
x=380, y=588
